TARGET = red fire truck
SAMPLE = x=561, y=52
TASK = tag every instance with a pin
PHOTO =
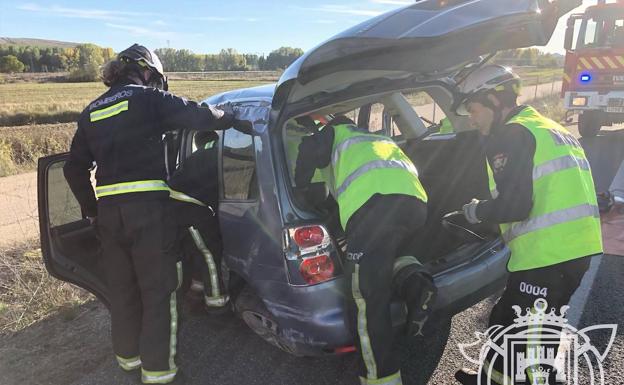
x=593, y=80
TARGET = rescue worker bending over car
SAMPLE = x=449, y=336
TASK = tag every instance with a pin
x=195, y=192
x=543, y=197
x=121, y=132
x=381, y=203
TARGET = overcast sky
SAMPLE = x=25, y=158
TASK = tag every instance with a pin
x=201, y=26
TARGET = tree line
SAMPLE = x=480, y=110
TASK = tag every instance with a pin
x=528, y=57
x=183, y=60
x=84, y=60
x=87, y=58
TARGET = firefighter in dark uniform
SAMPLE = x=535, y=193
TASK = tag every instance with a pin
x=381, y=203
x=195, y=193
x=543, y=199
x=121, y=133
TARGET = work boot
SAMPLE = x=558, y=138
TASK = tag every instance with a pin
x=179, y=379
x=134, y=375
x=467, y=376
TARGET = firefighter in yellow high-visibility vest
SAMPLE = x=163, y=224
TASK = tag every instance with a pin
x=381, y=204
x=543, y=198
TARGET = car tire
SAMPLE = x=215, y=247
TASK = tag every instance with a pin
x=252, y=310
x=589, y=123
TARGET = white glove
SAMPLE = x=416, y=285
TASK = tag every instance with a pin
x=470, y=211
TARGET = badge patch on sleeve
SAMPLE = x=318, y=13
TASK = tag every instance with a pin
x=498, y=162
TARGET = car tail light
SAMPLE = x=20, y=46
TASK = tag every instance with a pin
x=317, y=269
x=311, y=255
x=309, y=236
x=345, y=349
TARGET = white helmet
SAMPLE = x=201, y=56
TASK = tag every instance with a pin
x=490, y=78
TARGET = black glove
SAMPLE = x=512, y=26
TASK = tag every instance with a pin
x=605, y=201
x=228, y=113
x=243, y=126
x=223, y=114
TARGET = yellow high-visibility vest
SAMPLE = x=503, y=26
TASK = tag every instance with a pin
x=363, y=165
x=564, y=223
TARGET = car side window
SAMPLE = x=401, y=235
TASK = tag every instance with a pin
x=239, y=166
x=428, y=111
x=63, y=208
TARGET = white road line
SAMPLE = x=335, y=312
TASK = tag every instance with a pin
x=579, y=298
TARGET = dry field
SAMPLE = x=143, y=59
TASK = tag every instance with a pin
x=38, y=119
x=36, y=103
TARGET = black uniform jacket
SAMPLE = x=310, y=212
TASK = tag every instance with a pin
x=127, y=145
x=315, y=151
x=199, y=179
x=509, y=149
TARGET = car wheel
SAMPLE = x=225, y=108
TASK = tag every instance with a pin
x=255, y=314
x=589, y=124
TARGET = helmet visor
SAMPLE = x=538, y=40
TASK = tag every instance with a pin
x=459, y=105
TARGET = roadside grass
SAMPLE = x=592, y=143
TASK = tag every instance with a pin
x=21, y=146
x=550, y=106
x=28, y=293
x=41, y=103
x=532, y=76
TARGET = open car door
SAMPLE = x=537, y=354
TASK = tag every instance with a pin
x=70, y=248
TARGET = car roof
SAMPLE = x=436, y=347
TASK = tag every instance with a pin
x=258, y=93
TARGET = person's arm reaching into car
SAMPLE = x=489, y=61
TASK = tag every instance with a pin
x=178, y=113
x=510, y=154
x=314, y=153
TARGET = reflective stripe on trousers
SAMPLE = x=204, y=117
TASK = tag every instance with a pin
x=216, y=299
x=362, y=328
x=393, y=379
x=182, y=197
x=149, y=377
x=131, y=187
x=550, y=219
x=128, y=364
x=404, y=261
x=494, y=375
x=376, y=164
x=166, y=376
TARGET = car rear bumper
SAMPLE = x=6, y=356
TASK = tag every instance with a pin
x=312, y=319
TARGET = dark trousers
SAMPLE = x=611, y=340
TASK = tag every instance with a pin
x=375, y=234
x=555, y=284
x=140, y=264
x=208, y=228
